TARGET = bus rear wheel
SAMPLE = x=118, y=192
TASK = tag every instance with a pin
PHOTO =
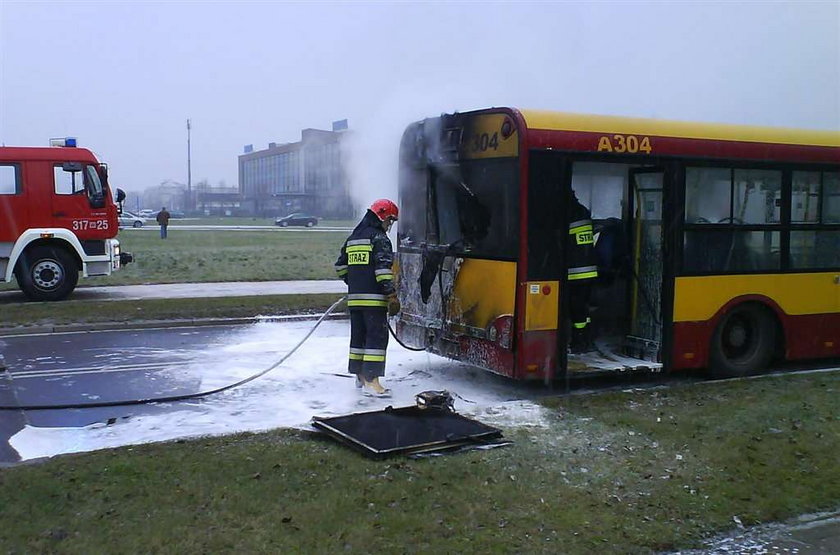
x=47, y=273
x=743, y=342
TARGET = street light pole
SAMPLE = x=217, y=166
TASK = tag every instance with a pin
x=189, y=169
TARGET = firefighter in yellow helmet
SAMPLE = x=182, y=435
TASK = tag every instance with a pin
x=365, y=264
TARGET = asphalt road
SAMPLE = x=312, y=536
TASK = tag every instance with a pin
x=72, y=368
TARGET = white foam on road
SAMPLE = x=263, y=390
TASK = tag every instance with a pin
x=304, y=386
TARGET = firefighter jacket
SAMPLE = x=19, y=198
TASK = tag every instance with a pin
x=580, y=254
x=365, y=265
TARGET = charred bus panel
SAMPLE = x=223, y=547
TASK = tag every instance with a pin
x=458, y=243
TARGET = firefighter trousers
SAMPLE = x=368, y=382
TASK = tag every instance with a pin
x=579, y=295
x=368, y=341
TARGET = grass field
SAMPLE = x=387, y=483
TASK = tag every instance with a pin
x=637, y=471
x=231, y=220
x=137, y=311
x=198, y=256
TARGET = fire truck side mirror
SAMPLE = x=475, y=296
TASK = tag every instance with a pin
x=120, y=198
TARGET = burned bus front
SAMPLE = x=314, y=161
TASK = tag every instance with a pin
x=458, y=239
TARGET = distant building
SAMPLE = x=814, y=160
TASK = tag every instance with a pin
x=220, y=200
x=306, y=176
x=169, y=193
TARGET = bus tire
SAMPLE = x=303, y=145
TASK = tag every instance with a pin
x=47, y=273
x=743, y=342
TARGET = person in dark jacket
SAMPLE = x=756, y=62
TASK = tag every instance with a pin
x=365, y=264
x=163, y=220
x=582, y=270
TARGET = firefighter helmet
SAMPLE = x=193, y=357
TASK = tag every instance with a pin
x=384, y=208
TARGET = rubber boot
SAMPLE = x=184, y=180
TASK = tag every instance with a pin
x=375, y=388
x=360, y=383
x=578, y=343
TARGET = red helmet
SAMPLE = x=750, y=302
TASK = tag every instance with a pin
x=384, y=208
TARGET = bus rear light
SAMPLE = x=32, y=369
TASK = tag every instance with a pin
x=500, y=331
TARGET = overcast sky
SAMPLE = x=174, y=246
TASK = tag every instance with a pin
x=124, y=77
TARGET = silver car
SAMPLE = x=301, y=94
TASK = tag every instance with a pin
x=127, y=219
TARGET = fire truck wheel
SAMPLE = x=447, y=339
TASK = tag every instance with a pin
x=743, y=342
x=47, y=273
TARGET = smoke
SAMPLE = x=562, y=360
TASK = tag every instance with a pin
x=371, y=150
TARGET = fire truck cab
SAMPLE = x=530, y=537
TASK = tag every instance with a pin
x=57, y=219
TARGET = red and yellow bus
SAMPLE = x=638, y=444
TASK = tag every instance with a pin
x=718, y=246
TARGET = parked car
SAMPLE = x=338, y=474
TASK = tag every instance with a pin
x=147, y=213
x=175, y=214
x=297, y=218
x=127, y=219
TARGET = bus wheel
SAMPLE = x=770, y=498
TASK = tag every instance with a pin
x=743, y=342
x=47, y=273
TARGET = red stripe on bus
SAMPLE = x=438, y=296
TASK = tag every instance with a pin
x=539, y=356
x=698, y=148
x=486, y=354
x=805, y=336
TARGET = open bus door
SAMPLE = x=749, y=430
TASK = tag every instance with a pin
x=626, y=304
x=646, y=264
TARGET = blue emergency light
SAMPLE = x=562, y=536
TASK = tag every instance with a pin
x=65, y=141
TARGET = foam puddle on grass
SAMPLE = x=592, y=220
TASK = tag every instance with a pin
x=312, y=382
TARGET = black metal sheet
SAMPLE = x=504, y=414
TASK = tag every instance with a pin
x=406, y=430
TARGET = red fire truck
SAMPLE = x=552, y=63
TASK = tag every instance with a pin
x=57, y=219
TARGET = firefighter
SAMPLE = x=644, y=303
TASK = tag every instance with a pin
x=582, y=271
x=364, y=264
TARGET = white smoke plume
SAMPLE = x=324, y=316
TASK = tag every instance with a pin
x=371, y=150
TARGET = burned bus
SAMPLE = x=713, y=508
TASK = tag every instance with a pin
x=717, y=246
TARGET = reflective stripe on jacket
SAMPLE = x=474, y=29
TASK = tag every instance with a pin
x=580, y=254
x=365, y=264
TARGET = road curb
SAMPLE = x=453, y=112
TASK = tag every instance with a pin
x=151, y=324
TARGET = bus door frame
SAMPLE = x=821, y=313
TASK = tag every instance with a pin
x=672, y=207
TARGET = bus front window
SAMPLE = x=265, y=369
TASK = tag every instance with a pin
x=476, y=206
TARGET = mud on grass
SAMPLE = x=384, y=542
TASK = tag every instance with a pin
x=615, y=472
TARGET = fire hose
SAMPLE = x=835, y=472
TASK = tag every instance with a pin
x=188, y=396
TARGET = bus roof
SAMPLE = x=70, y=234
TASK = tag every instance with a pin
x=565, y=121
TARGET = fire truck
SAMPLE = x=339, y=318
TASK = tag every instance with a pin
x=58, y=219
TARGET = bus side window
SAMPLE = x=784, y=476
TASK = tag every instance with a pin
x=707, y=195
x=831, y=198
x=818, y=247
